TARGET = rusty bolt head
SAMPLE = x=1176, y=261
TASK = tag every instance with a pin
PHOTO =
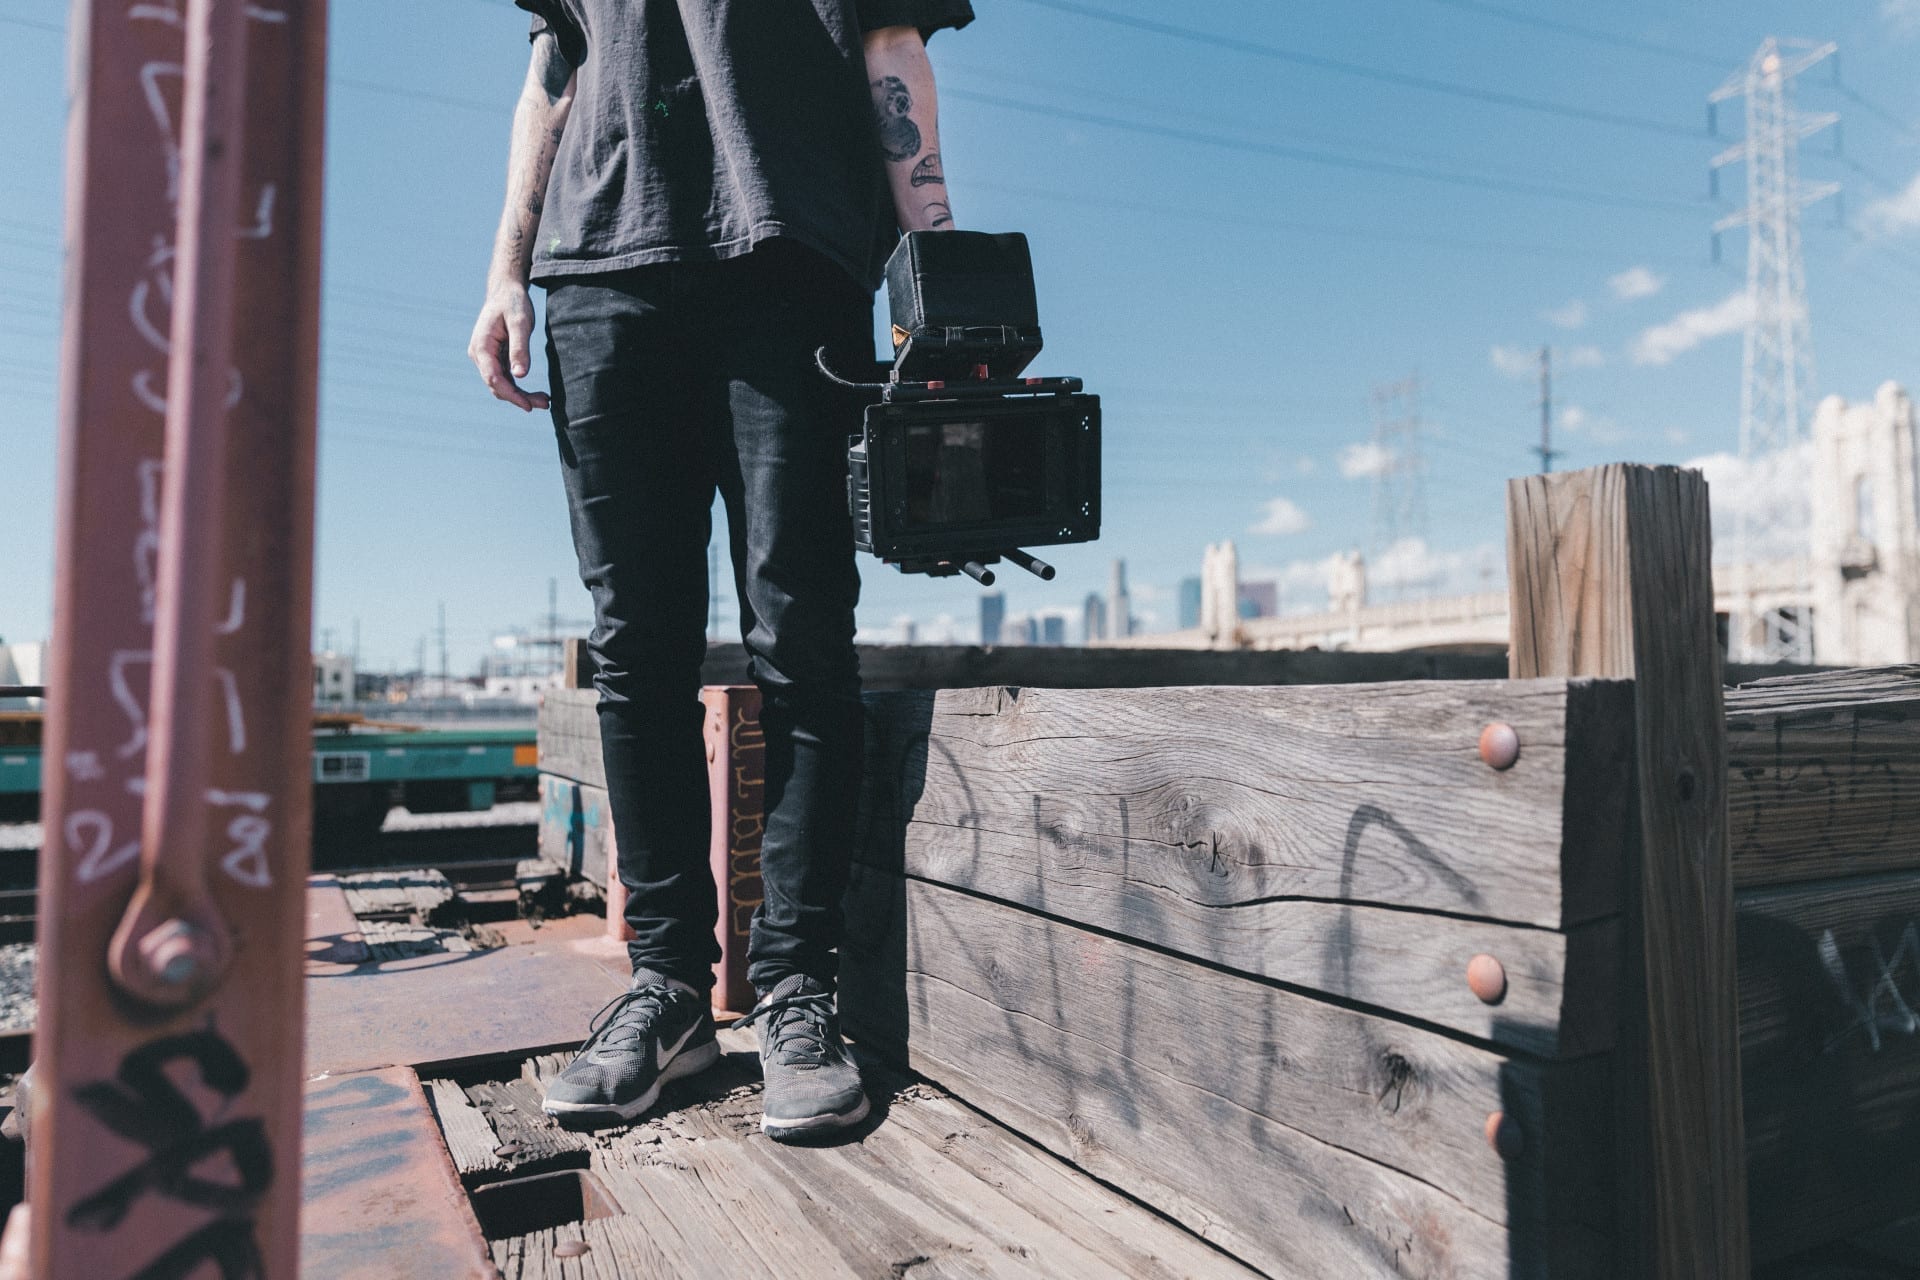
x=1499, y=745
x=172, y=953
x=1487, y=978
x=1504, y=1136
x=571, y=1249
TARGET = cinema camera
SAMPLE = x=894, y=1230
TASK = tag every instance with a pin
x=960, y=460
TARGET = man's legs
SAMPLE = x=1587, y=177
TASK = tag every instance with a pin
x=639, y=481
x=786, y=494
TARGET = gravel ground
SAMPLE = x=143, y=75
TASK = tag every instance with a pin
x=16, y=987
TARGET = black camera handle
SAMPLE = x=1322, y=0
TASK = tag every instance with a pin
x=981, y=387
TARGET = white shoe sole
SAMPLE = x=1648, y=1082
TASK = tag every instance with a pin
x=683, y=1064
x=815, y=1124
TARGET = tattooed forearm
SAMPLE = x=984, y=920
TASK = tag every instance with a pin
x=892, y=116
x=928, y=171
x=539, y=122
x=906, y=113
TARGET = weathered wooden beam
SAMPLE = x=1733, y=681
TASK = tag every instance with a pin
x=1305, y=1137
x=1830, y=1054
x=1824, y=776
x=1345, y=839
x=1609, y=573
x=569, y=736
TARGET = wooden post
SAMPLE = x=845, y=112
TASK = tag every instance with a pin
x=1610, y=575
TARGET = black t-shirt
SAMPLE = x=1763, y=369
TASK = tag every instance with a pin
x=701, y=127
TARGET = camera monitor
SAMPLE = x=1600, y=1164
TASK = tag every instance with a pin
x=939, y=483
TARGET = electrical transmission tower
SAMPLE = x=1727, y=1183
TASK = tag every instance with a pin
x=1777, y=372
x=1399, y=481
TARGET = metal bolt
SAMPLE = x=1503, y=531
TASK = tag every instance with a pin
x=571, y=1249
x=1499, y=745
x=1487, y=978
x=172, y=953
x=1504, y=1136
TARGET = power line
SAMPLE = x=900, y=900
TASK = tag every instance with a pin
x=1359, y=71
x=31, y=25
x=1286, y=152
x=1587, y=33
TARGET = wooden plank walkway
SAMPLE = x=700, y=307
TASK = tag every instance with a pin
x=926, y=1188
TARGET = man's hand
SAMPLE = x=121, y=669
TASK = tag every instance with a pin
x=499, y=345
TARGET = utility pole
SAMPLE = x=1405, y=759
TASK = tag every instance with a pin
x=441, y=632
x=1546, y=451
x=1399, y=483
x=553, y=612
x=1777, y=365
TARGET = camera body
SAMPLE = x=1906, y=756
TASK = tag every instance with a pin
x=960, y=462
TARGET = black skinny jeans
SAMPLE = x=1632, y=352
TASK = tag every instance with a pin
x=669, y=382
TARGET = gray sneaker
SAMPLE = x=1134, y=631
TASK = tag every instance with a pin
x=813, y=1086
x=647, y=1035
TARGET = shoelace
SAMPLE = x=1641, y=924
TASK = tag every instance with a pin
x=805, y=1036
x=613, y=1028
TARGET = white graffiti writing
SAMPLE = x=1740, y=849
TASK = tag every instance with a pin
x=1884, y=1007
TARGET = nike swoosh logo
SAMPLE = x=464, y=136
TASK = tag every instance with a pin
x=660, y=1055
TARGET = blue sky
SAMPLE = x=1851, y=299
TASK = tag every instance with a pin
x=1234, y=245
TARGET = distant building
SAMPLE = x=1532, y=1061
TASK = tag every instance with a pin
x=1189, y=603
x=332, y=678
x=1053, y=629
x=1119, y=604
x=993, y=615
x=1093, y=618
x=1259, y=600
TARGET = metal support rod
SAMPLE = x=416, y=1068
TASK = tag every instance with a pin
x=171, y=945
x=1032, y=564
x=978, y=572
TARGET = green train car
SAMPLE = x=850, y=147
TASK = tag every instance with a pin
x=360, y=770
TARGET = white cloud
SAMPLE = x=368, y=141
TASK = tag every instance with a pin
x=1771, y=491
x=1598, y=428
x=1516, y=362
x=1677, y=435
x=1663, y=342
x=1895, y=214
x=1364, y=460
x=1636, y=282
x=1902, y=15
x=1580, y=358
x=1411, y=568
x=1282, y=518
x=1407, y=569
x=1571, y=316
x=1305, y=466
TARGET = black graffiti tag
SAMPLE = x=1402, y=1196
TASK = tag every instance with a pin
x=144, y=1107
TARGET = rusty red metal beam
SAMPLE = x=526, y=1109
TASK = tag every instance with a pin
x=167, y=1106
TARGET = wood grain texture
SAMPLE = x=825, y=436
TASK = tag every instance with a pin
x=1610, y=575
x=1288, y=833
x=1303, y=1137
x=927, y=1188
x=1824, y=776
x=1830, y=1055
x=568, y=734
x=470, y=1139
